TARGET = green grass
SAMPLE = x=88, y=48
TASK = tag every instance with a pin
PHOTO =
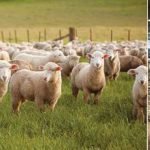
x=80, y=13
x=53, y=15
x=75, y=125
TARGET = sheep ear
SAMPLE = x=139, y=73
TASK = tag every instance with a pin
x=132, y=72
x=41, y=67
x=58, y=68
x=105, y=56
x=89, y=56
x=14, y=67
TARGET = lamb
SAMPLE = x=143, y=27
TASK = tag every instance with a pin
x=22, y=65
x=112, y=65
x=38, y=86
x=36, y=61
x=5, y=74
x=129, y=62
x=139, y=92
x=89, y=78
x=68, y=65
x=4, y=55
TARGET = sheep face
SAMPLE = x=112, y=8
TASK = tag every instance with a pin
x=112, y=54
x=140, y=74
x=97, y=59
x=51, y=72
x=5, y=70
x=59, y=56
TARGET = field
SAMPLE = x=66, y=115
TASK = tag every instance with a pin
x=53, y=15
x=73, y=124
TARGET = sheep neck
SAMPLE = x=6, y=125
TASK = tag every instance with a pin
x=96, y=73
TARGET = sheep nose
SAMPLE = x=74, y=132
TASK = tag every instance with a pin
x=142, y=82
x=97, y=65
x=4, y=78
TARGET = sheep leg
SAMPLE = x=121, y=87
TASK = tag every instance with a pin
x=96, y=97
x=75, y=91
x=115, y=76
x=86, y=96
x=52, y=104
x=134, y=112
x=40, y=104
x=16, y=105
x=140, y=114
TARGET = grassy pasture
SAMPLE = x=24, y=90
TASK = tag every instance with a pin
x=75, y=125
x=53, y=15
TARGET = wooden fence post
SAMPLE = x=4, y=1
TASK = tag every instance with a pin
x=39, y=36
x=2, y=36
x=129, y=35
x=60, y=33
x=28, y=36
x=76, y=33
x=111, y=35
x=45, y=35
x=9, y=37
x=72, y=34
x=15, y=34
x=91, y=35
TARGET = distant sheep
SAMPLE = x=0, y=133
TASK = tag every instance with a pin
x=129, y=62
x=4, y=55
x=112, y=65
x=89, y=78
x=36, y=61
x=139, y=92
x=39, y=86
x=69, y=64
x=22, y=65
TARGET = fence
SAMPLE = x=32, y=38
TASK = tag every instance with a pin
x=43, y=35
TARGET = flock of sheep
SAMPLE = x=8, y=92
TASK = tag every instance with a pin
x=34, y=70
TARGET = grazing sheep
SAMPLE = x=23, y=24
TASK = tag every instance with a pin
x=68, y=65
x=139, y=92
x=22, y=65
x=39, y=86
x=5, y=74
x=36, y=61
x=4, y=55
x=129, y=62
x=112, y=65
x=89, y=78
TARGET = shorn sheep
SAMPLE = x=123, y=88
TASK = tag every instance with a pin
x=129, y=62
x=139, y=92
x=69, y=64
x=89, y=78
x=55, y=56
x=39, y=86
x=112, y=65
x=5, y=74
x=22, y=65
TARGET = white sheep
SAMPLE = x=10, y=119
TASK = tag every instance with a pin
x=69, y=64
x=139, y=92
x=36, y=61
x=39, y=86
x=89, y=78
x=4, y=55
x=5, y=74
x=112, y=65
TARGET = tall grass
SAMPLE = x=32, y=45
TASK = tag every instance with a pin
x=75, y=125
